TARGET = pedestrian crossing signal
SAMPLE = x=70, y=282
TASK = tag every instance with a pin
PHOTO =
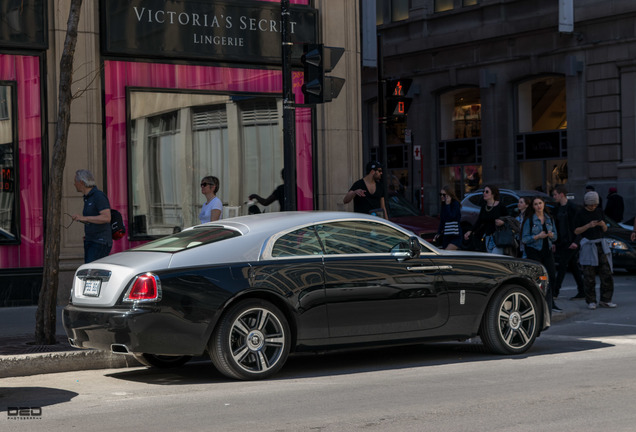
x=397, y=103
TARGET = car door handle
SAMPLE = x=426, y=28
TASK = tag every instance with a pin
x=429, y=268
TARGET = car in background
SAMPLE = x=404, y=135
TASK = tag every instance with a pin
x=407, y=216
x=622, y=247
x=250, y=290
x=472, y=203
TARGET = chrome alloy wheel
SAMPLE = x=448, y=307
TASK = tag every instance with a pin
x=517, y=320
x=257, y=340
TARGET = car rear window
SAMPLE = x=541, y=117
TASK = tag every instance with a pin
x=188, y=239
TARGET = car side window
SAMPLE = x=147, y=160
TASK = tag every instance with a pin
x=509, y=200
x=360, y=237
x=477, y=199
x=301, y=242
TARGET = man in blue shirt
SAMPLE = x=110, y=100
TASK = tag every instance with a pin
x=96, y=217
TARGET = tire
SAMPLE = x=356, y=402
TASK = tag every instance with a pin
x=161, y=361
x=511, y=322
x=251, y=341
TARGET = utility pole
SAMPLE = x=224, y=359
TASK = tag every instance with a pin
x=289, y=111
x=382, y=117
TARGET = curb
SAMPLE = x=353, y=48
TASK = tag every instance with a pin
x=64, y=361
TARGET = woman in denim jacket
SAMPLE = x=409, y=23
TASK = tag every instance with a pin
x=538, y=236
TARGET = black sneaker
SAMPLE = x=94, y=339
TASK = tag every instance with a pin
x=578, y=297
x=556, y=308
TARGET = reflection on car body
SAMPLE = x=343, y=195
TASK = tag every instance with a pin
x=250, y=290
x=407, y=216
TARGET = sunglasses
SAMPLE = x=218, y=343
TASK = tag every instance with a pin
x=205, y=184
x=443, y=195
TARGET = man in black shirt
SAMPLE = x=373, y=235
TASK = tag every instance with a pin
x=567, y=247
x=595, y=255
x=277, y=195
x=367, y=193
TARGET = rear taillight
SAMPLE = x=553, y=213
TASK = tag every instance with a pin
x=145, y=288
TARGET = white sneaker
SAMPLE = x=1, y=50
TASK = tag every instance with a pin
x=591, y=306
x=607, y=305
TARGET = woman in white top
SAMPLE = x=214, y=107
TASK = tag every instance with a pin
x=213, y=207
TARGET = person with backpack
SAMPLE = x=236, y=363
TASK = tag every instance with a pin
x=96, y=217
x=538, y=235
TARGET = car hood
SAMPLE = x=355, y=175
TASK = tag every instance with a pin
x=619, y=233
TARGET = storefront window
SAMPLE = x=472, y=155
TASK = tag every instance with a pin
x=179, y=138
x=542, y=104
x=542, y=137
x=460, y=112
x=8, y=222
x=460, y=146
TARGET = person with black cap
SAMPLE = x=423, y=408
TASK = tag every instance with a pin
x=367, y=193
x=595, y=255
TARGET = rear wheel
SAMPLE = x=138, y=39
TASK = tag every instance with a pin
x=252, y=341
x=511, y=322
x=161, y=361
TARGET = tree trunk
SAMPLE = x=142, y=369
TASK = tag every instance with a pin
x=45, y=320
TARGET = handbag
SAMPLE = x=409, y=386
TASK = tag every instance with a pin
x=504, y=238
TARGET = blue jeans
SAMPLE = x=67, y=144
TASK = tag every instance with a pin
x=94, y=251
x=491, y=247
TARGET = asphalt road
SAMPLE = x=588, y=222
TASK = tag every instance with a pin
x=579, y=376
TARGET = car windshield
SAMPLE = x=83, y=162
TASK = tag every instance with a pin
x=188, y=239
x=398, y=206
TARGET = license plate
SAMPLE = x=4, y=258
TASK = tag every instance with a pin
x=92, y=287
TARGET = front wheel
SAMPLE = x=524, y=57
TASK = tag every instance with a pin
x=161, y=361
x=511, y=322
x=252, y=341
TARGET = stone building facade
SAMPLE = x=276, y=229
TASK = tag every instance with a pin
x=501, y=91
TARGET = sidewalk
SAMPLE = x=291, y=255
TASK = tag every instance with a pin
x=19, y=356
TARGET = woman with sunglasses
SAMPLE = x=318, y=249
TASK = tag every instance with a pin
x=490, y=217
x=449, y=220
x=213, y=207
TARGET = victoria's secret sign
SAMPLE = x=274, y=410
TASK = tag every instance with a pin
x=236, y=31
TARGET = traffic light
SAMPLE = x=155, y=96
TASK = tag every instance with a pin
x=317, y=60
x=397, y=104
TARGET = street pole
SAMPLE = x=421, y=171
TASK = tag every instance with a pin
x=382, y=119
x=289, y=111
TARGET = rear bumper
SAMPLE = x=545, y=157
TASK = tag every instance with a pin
x=134, y=330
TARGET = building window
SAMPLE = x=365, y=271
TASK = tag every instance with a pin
x=444, y=5
x=179, y=138
x=460, y=112
x=542, y=133
x=398, y=10
x=460, y=152
x=8, y=196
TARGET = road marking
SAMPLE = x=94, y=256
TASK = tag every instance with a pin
x=606, y=324
x=617, y=340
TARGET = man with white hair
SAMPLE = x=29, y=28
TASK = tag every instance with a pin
x=98, y=238
x=595, y=255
